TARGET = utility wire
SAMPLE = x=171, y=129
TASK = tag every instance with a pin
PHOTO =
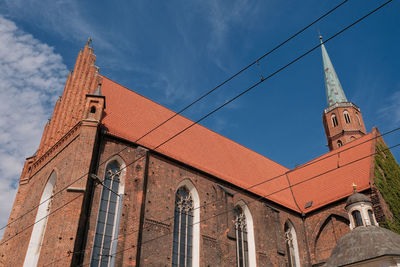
x=309, y=51
x=271, y=75
x=191, y=104
x=255, y=200
x=276, y=177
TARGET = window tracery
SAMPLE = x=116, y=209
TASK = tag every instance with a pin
x=183, y=229
x=105, y=241
x=291, y=245
x=242, y=249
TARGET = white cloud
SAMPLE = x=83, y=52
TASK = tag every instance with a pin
x=32, y=76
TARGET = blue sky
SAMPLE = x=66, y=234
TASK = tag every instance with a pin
x=174, y=51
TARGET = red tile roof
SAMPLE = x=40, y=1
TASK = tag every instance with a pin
x=129, y=115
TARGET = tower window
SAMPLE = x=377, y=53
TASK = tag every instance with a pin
x=357, y=218
x=242, y=248
x=334, y=120
x=346, y=116
x=183, y=229
x=339, y=143
x=358, y=119
x=371, y=217
x=93, y=109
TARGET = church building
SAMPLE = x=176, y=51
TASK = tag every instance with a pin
x=119, y=180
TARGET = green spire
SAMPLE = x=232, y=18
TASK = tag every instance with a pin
x=334, y=91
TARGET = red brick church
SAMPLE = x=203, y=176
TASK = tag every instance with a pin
x=104, y=189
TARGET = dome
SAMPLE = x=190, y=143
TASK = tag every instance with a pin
x=357, y=197
x=363, y=243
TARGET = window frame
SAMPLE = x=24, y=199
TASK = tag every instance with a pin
x=196, y=221
x=334, y=120
x=346, y=116
x=118, y=210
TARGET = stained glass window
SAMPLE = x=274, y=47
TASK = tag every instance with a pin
x=242, y=248
x=105, y=241
x=183, y=229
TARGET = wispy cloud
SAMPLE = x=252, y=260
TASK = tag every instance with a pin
x=32, y=76
x=63, y=17
x=391, y=111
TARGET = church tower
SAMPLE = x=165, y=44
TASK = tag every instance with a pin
x=342, y=119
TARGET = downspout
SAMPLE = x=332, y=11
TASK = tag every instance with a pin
x=142, y=209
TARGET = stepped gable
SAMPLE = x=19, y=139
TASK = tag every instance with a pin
x=130, y=116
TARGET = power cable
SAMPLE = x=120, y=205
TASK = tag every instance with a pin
x=271, y=75
x=257, y=199
x=276, y=177
x=191, y=104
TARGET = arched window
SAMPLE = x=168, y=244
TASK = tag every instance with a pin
x=38, y=231
x=183, y=228
x=106, y=236
x=242, y=247
x=186, y=239
x=371, y=217
x=291, y=245
x=334, y=120
x=339, y=143
x=358, y=119
x=346, y=116
x=245, y=246
x=357, y=218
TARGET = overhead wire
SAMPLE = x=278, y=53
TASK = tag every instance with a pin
x=188, y=106
x=255, y=200
x=309, y=51
x=271, y=75
x=274, y=178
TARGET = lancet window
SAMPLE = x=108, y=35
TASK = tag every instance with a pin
x=39, y=228
x=242, y=247
x=334, y=120
x=346, y=116
x=291, y=245
x=183, y=229
x=106, y=236
x=358, y=119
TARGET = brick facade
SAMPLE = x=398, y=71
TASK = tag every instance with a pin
x=75, y=145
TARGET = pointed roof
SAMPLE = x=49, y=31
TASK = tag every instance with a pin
x=334, y=91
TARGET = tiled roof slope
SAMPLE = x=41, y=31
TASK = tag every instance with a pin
x=129, y=115
x=330, y=177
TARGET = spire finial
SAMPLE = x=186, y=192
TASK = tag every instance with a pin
x=354, y=188
x=89, y=41
x=320, y=37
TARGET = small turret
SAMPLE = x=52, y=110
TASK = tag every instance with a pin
x=359, y=208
